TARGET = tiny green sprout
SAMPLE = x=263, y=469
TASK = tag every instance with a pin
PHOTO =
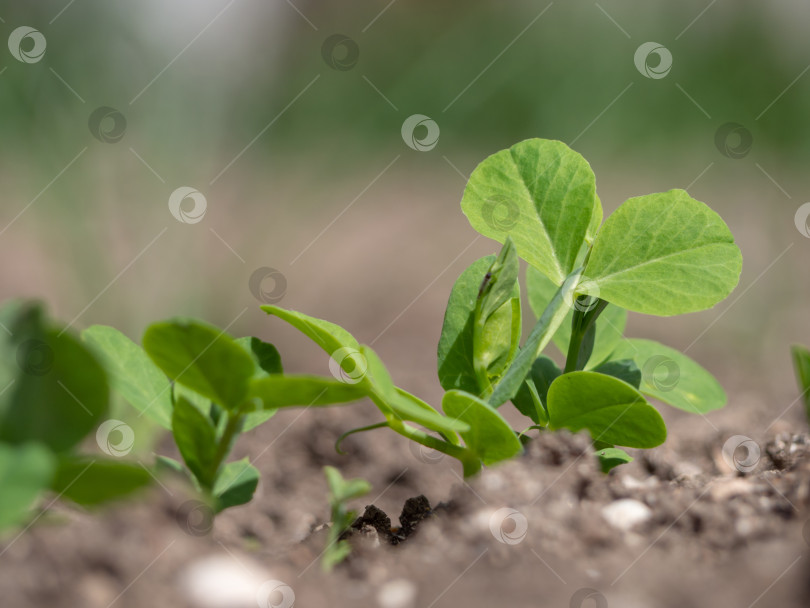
x=55, y=394
x=200, y=383
x=341, y=491
x=801, y=364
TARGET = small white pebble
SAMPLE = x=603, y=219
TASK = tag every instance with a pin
x=626, y=513
x=398, y=593
x=219, y=581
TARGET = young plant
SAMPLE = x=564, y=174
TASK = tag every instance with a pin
x=801, y=364
x=341, y=491
x=198, y=382
x=53, y=394
x=660, y=254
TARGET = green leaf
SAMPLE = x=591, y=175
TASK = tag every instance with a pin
x=132, y=373
x=254, y=419
x=202, y=358
x=543, y=195
x=543, y=372
x=25, y=471
x=610, y=458
x=609, y=326
x=801, y=363
x=278, y=391
x=612, y=410
x=264, y=355
x=498, y=285
x=623, y=369
x=55, y=390
x=539, y=337
x=489, y=436
x=196, y=439
x=236, y=484
x=664, y=254
x=343, y=490
x=328, y=336
x=672, y=377
x=409, y=407
x=90, y=481
x=455, y=353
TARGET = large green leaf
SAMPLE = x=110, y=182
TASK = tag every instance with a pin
x=132, y=373
x=55, y=390
x=236, y=484
x=543, y=195
x=328, y=336
x=672, y=377
x=612, y=410
x=609, y=325
x=664, y=254
x=277, y=391
x=90, y=481
x=489, y=435
x=201, y=357
x=25, y=471
x=196, y=439
x=541, y=334
x=801, y=364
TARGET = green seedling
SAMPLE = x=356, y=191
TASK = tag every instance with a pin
x=801, y=364
x=341, y=491
x=53, y=395
x=661, y=254
x=201, y=384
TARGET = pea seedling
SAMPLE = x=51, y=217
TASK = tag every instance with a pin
x=341, y=491
x=660, y=254
x=801, y=364
x=200, y=383
x=55, y=393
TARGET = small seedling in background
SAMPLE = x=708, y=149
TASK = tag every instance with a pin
x=198, y=382
x=54, y=395
x=801, y=364
x=341, y=491
x=661, y=254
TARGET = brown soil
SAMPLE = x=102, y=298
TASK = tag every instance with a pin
x=714, y=537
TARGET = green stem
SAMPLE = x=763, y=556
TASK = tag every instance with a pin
x=223, y=447
x=580, y=324
x=479, y=365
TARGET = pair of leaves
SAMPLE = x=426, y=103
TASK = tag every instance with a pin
x=661, y=254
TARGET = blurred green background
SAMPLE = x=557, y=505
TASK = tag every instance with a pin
x=304, y=168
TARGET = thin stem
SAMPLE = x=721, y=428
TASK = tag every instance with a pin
x=231, y=429
x=580, y=324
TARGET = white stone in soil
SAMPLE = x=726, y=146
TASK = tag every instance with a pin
x=626, y=513
x=398, y=593
x=219, y=581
